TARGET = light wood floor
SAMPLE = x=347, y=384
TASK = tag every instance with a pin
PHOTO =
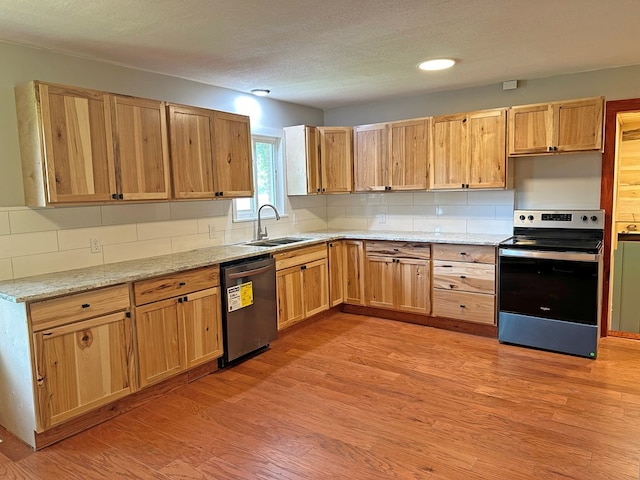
x=353, y=397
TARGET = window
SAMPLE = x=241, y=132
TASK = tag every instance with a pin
x=268, y=181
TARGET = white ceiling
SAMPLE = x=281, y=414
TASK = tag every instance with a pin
x=331, y=53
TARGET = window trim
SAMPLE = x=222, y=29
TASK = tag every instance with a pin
x=251, y=215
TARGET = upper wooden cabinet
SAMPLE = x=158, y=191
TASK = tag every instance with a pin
x=391, y=156
x=210, y=153
x=557, y=127
x=319, y=159
x=85, y=146
x=140, y=148
x=469, y=150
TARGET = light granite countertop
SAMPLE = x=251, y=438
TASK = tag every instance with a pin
x=41, y=287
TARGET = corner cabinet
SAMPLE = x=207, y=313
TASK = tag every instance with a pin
x=391, y=156
x=178, y=323
x=336, y=259
x=302, y=284
x=556, y=127
x=83, y=353
x=85, y=146
x=469, y=150
x=319, y=159
x=211, y=153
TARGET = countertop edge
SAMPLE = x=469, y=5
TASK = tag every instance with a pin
x=51, y=285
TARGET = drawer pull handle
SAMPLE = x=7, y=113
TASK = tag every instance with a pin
x=463, y=253
x=463, y=276
x=86, y=305
x=447, y=266
x=395, y=249
x=182, y=284
x=462, y=306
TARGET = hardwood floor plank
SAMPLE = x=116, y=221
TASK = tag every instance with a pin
x=356, y=397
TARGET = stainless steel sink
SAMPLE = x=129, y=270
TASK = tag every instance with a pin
x=276, y=242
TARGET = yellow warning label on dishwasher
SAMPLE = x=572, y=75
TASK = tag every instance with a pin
x=239, y=296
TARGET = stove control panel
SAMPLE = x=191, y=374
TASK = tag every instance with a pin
x=591, y=219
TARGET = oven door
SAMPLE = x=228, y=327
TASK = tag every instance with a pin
x=555, y=285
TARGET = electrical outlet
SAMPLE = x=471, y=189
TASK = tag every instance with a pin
x=96, y=246
x=212, y=232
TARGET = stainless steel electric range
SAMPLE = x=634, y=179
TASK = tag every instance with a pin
x=550, y=281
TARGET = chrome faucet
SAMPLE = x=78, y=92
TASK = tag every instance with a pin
x=260, y=234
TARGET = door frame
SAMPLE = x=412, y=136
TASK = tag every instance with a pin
x=613, y=108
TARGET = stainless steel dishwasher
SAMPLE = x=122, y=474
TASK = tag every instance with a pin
x=249, y=310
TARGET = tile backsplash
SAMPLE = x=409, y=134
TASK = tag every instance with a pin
x=35, y=241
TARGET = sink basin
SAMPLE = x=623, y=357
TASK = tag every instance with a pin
x=275, y=242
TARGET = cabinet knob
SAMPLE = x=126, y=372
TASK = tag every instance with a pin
x=121, y=196
x=549, y=149
x=114, y=196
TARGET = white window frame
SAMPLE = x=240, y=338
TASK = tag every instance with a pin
x=250, y=215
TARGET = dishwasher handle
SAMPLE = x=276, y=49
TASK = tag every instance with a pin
x=249, y=273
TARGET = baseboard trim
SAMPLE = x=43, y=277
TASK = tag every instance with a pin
x=444, y=323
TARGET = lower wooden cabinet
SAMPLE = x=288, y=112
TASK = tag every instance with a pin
x=398, y=276
x=302, y=284
x=354, y=272
x=82, y=366
x=179, y=332
x=464, y=282
x=336, y=252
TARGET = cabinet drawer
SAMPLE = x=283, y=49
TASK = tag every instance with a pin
x=300, y=256
x=464, y=253
x=399, y=249
x=79, y=306
x=179, y=283
x=472, y=307
x=465, y=277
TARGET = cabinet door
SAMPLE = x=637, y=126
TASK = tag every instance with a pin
x=160, y=336
x=82, y=366
x=336, y=159
x=380, y=282
x=413, y=286
x=354, y=272
x=232, y=155
x=289, y=291
x=578, y=125
x=200, y=313
x=530, y=129
x=141, y=148
x=370, y=157
x=79, y=161
x=408, y=154
x=190, y=141
x=449, y=156
x=488, y=148
x=316, y=287
x=336, y=256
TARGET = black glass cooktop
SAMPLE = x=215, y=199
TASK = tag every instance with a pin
x=557, y=244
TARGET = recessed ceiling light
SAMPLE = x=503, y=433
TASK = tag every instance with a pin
x=437, y=64
x=260, y=92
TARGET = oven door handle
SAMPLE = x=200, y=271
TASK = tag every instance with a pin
x=568, y=256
